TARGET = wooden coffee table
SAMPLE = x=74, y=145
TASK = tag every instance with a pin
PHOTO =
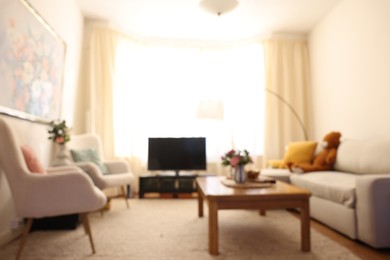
x=279, y=196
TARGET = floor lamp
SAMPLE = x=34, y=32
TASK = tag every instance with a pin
x=291, y=108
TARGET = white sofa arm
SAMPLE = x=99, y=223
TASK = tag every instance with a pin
x=373, y=209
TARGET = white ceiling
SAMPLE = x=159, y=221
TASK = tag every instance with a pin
x=184, y=19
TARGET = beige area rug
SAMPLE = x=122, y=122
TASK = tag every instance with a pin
x=171, y=229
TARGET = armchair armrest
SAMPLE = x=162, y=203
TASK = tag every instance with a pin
x=93, y=171
x=108, y=180
x=373, y=209
x=65, y=168
x=60, y=193
x=120, y=173
x=117, y=166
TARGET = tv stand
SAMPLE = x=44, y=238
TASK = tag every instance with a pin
x=174, y=184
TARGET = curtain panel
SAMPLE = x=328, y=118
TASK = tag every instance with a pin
x=287, y=83
x=101, y=70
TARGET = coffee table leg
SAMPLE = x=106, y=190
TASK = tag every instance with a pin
x=213, y=228
x=305, y=227
x=200, y=204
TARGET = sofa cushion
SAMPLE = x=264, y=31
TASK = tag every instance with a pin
x=299, y=152
x=363, y=156
x=336, y=187
x=277, y=174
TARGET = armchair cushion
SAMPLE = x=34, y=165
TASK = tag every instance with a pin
x=32, y=161
x=89, y=155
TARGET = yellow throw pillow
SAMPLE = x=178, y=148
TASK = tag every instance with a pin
x=275, y=163
x=299, y=152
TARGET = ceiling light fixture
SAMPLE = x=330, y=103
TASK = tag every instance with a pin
x=218, y=6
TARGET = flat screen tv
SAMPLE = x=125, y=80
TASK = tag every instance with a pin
x=176, y=154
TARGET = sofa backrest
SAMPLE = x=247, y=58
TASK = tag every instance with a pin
x=363, y=156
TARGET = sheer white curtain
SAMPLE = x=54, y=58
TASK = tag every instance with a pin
x=101, y=69
x=158, y=89
x=287, y=75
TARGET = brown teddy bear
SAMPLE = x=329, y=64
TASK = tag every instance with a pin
x=324, y=160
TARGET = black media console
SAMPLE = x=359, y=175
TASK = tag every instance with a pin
x=174, y=184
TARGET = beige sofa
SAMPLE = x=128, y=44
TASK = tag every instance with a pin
x=354, y=199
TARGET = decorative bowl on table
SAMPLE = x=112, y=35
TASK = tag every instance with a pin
x=253, y=174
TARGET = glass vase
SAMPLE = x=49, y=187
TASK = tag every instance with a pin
x=231, y=172
x=239, y=174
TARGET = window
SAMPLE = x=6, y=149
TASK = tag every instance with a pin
x=158, y=89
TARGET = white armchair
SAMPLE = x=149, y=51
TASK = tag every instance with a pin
x=118, y=171
x=59, y=191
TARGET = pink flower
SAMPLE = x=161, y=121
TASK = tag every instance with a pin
x=234, y=158
x=234, y=161
x=231, y=153
x=60, y=140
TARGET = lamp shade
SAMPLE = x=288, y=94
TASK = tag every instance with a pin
x=210, y=110
x=218, y=6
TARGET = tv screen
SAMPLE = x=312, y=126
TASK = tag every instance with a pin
x=175, y=154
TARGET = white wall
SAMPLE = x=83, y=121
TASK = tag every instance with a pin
x=350, y=65
x=65, y=17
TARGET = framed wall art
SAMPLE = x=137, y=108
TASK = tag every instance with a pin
x=31, y=64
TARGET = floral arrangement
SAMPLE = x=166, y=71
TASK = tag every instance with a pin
x=235, y=158
x=59, y=132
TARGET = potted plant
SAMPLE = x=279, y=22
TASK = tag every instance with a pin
x=59, y=134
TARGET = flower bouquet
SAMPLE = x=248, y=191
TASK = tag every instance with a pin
x=59, y=132
x=237, y=160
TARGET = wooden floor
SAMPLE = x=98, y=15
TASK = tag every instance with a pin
x=361, y=250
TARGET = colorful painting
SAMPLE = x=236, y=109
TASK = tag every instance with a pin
x=31, y=63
